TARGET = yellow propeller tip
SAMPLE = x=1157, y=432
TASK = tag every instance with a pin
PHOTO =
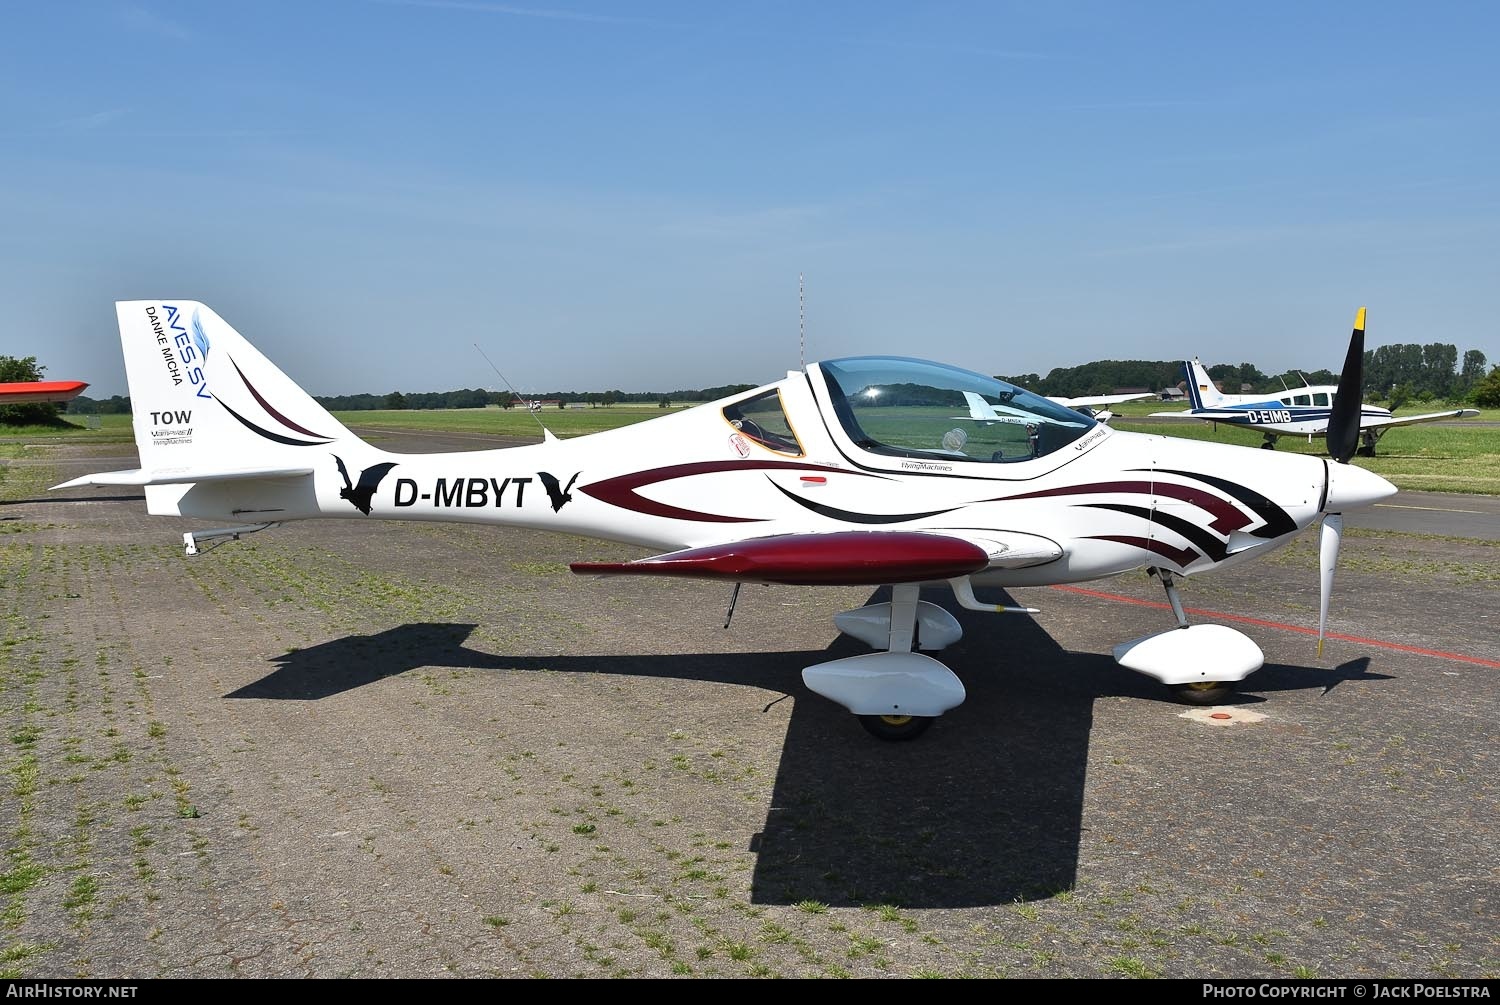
x=1359, y=319
x=1320, y=649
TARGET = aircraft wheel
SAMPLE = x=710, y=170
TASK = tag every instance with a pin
x=1268, y=445
x=896, y=727
x=1203, y=692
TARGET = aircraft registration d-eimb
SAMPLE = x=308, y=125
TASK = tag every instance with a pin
x=860, y=471
x=1303, y=411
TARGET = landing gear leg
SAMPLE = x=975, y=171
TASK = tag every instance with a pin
x=1197, y=692
x=1367, y=443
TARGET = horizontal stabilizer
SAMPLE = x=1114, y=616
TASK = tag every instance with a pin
x=1103, y=399
x=170, y=476
x=844, y=558
x=1411, y=420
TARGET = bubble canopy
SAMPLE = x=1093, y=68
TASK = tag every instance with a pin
x=903, y=407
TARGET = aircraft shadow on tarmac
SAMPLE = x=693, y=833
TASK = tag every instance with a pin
x=984, y=809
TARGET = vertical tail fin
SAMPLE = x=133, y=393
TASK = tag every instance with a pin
x=1200, y=386
x=205, y=398
x=979, y=408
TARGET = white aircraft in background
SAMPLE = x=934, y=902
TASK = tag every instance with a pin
x=1301, y=412
x=1090, y=405
x=982, y=411
x=841, y=473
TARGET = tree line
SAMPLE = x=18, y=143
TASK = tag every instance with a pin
x=477, y=398
x=1410, y=371
x=1392, y=373
x=462, y=398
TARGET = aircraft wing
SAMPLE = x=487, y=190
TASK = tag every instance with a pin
x=982, y=411
x=1207, y=414
x=842, y=558
x=1102, y=399
x=137, y=477
x=1237, y=417
x=1411, y=420
x=28, y=391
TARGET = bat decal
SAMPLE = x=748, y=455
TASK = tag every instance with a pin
x=559, y=495
x=369, y=481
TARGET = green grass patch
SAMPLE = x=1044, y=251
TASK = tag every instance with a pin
x=81, y=892
x=21, y=878
x=72, y=429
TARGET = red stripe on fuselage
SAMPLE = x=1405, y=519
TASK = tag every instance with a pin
x=621, y=490
x=1182, y=556
x=1227, y=517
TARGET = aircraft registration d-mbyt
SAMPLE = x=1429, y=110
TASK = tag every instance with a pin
x=863, y=471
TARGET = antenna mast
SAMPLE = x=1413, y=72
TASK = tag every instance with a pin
x=801, y=324
x=535, y=415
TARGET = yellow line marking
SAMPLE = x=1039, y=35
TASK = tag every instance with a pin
x=1430, y=509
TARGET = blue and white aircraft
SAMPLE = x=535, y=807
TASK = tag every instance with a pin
x=1303, y=411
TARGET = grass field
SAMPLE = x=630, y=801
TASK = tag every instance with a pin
x=563, y=422
x=1451, y=457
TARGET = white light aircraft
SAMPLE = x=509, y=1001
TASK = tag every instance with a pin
x=847, y=472
x=1091, y=405
x=1301, y=412
x=982, y=411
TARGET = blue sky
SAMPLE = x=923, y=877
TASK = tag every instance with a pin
x=622, y=195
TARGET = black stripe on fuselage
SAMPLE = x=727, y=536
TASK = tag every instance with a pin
x=1277, y=520
x=849, y=516
x=1207, y=543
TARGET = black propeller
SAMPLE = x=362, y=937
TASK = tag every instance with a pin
x=1343, y=421
x=1343, y=439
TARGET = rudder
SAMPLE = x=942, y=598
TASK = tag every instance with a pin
x=1200, y=386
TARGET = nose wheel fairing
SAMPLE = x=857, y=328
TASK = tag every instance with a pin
x=1192, y=654
x=1199, y=664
